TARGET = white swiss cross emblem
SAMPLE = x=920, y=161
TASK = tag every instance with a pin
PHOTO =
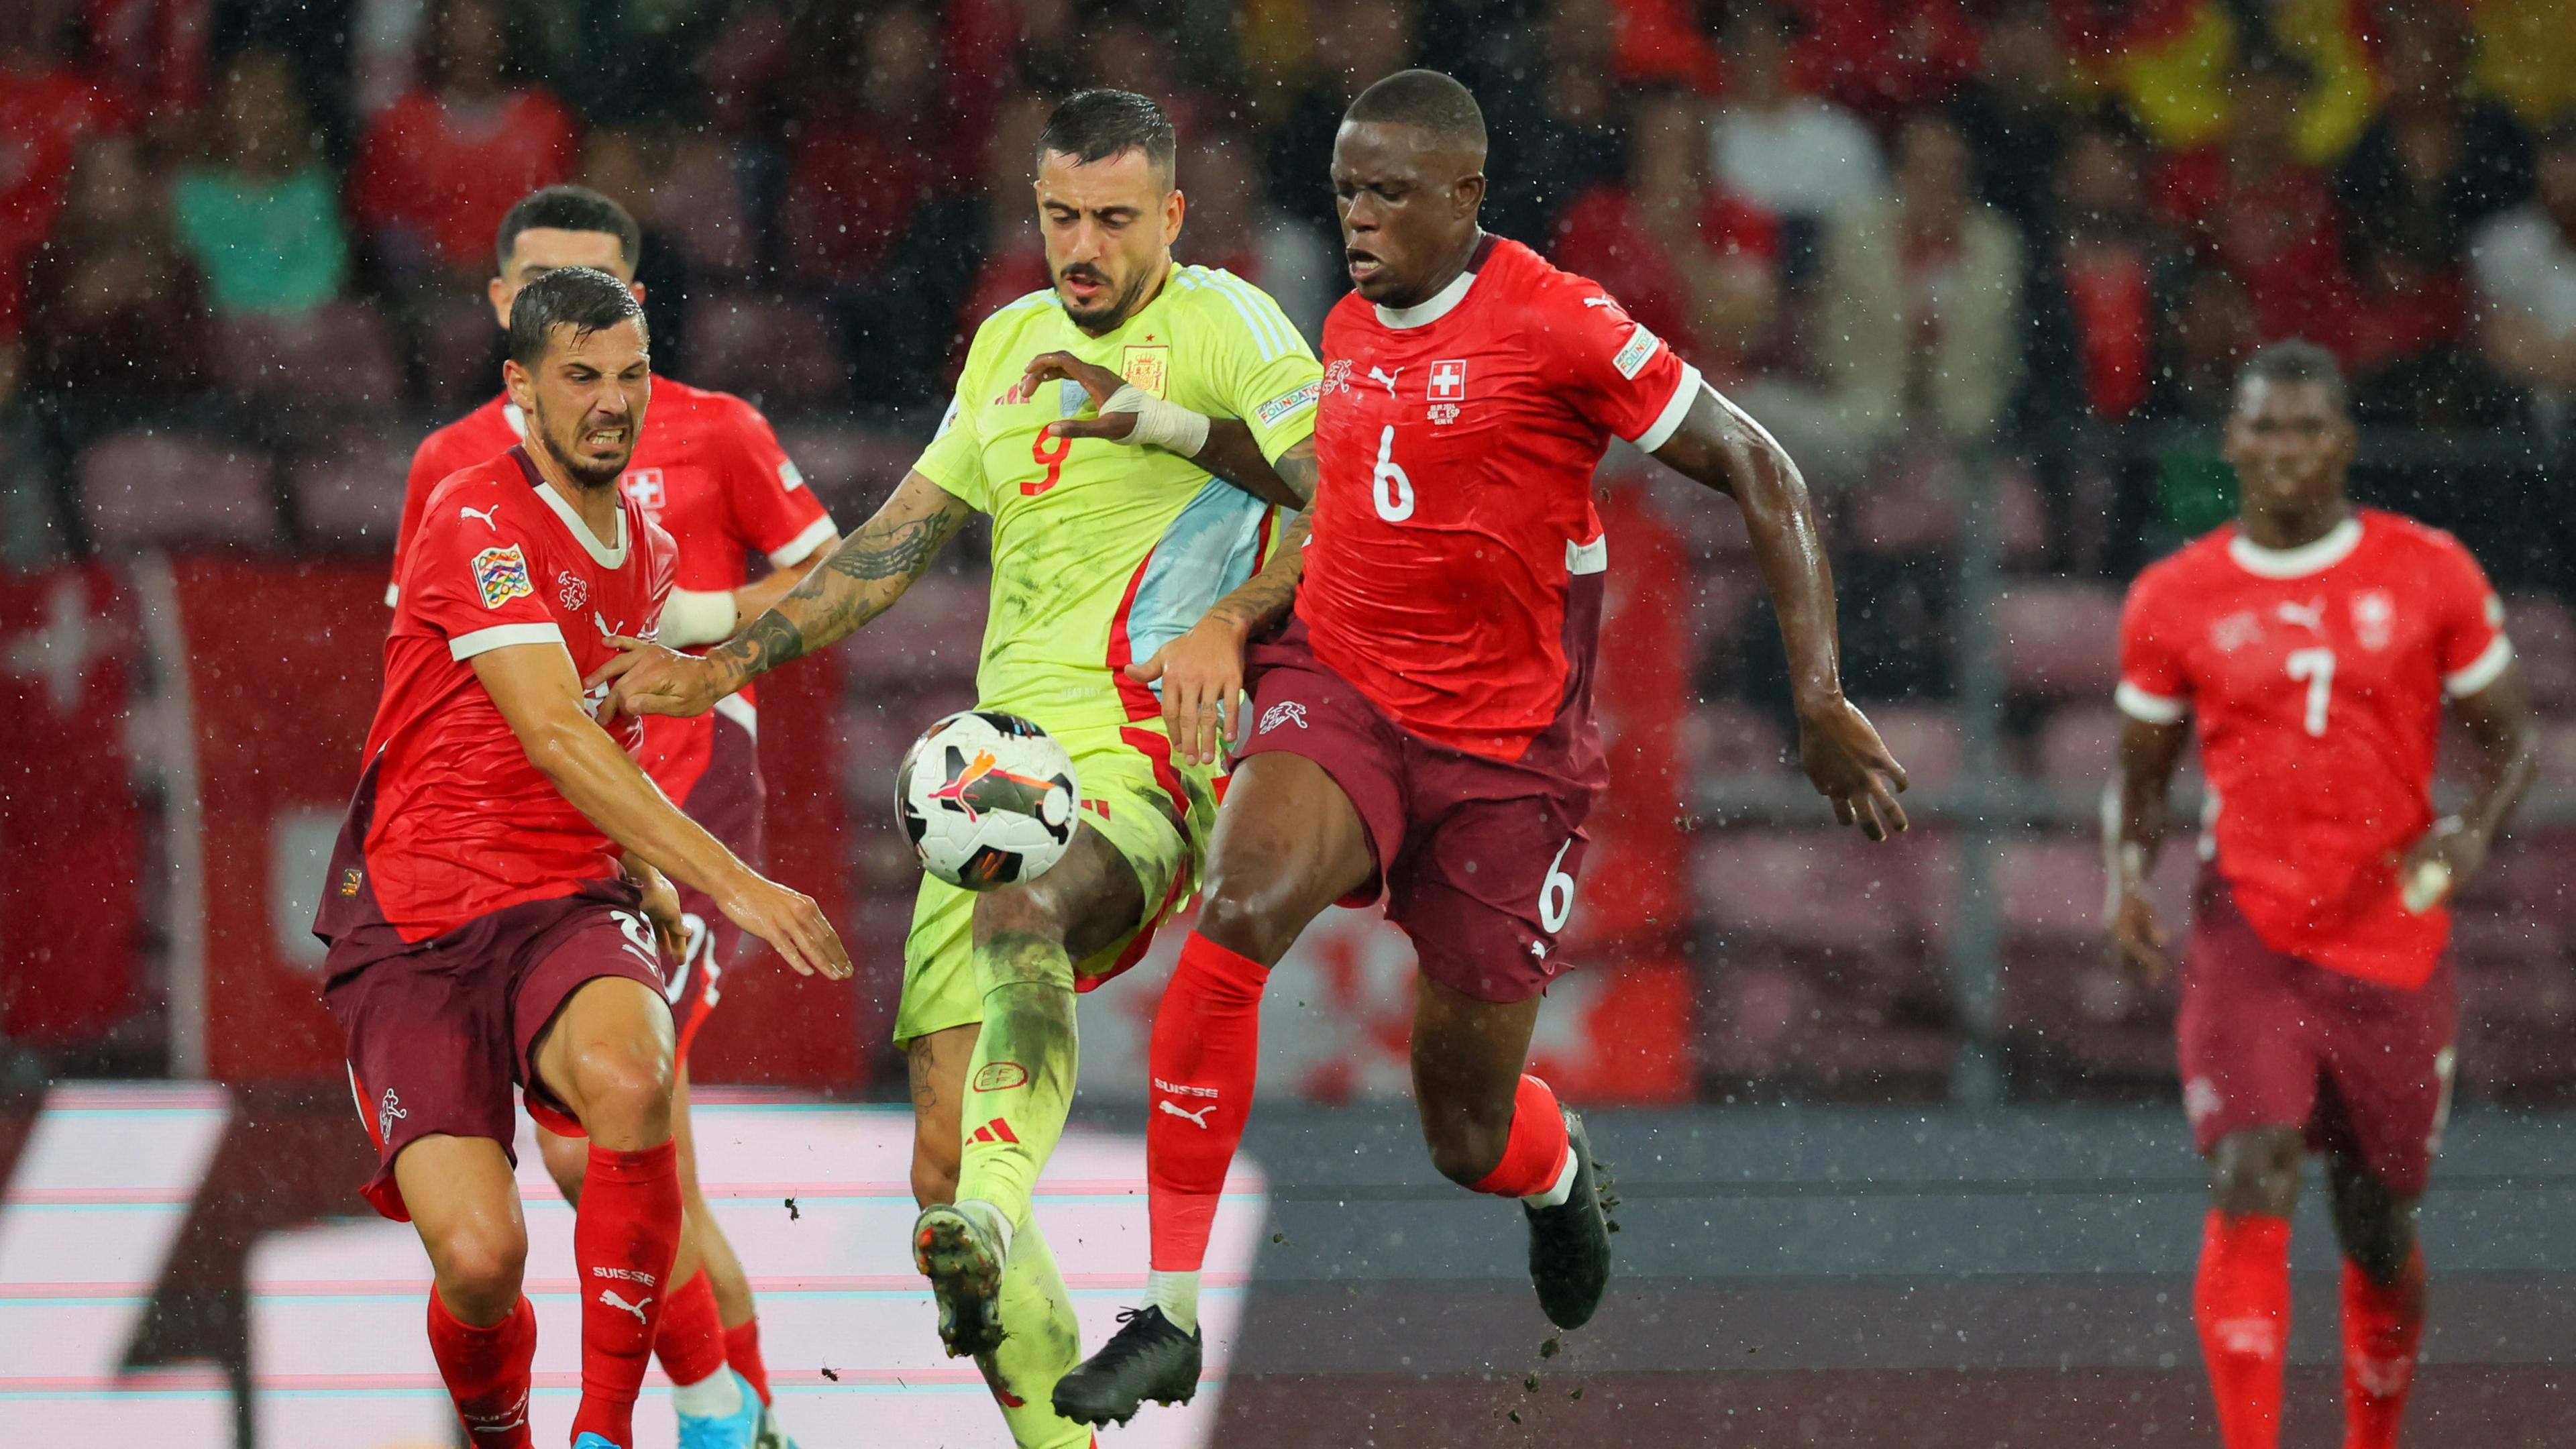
x=1449, y=381
x=644, y=485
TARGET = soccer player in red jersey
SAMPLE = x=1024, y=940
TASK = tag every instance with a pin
x=712, y=474
x=1422, y=726
x=2313, y=646
x=496, y=895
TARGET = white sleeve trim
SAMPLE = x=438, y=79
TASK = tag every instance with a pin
x=501, y=636
x=393, y=595
x=1676, y=408
x=2480, y=672
x=738, y=709
x=793, y=551
x=2147, y=708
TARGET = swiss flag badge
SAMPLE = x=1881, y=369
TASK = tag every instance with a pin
x=1449, y=381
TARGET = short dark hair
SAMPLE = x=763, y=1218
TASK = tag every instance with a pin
x=567, y=208
x=2297, y=361
x=1097, y=124
x=585, y=299
x=1425, y=98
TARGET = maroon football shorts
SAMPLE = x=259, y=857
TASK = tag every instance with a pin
x=1476, y=857
x=726, y=800
x=439, y=1031
x=2268, y=1040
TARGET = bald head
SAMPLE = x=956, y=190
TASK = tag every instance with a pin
x=1427, y=99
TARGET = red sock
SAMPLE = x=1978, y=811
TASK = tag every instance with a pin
x=2242, y=1304
x=1534, y=1154
x=742, y=1350
x=1206, y=1050
x=624, y=1237
x=691, y=1342
x=2382, y=1324
x=486, y=1370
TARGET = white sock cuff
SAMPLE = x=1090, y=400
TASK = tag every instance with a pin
x=717, y=1396
x=993, y=1220
x=1177, y=1294
x=1564, y=1188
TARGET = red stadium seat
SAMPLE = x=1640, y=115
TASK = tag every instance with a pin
x=347, y=488
x=779, y=352
x=2060, y=638
x=1729, y=738
x=2079, y=745
x=1925, y=739
x=337, y=356
x=143, y=489
x=2052, y=888
x=1807, y=890
x=2544, y=637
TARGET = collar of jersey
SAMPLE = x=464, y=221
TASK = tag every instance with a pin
x=2297, y=563
x=1439, y=305
x=607, y=558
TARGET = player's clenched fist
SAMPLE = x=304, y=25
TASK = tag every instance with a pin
x=1202, y=677
x=1098, y=381
x=1849, y=764
x=789, y=921
x=650, y=679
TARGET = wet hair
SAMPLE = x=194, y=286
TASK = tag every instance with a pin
x=1095, y=125
x=585, y=299
x=567, y=208
x=1425, y=98
x=2297, y=361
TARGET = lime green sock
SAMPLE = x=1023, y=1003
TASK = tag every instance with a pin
x=1041, y=1341
x=1019, y=1083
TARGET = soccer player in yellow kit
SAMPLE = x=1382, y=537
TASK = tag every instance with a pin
x=1132, y=432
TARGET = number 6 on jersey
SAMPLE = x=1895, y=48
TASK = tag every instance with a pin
x=1394, y=491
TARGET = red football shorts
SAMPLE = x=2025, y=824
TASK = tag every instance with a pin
x=439, y=1032
x=2268, y=1040
x=1476, y=857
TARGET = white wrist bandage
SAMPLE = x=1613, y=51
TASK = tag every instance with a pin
x=1168, y=426
x=697, y=616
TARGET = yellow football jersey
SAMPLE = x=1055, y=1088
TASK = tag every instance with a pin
x=1103, y=551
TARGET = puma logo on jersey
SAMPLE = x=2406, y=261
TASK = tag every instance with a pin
x=1196, y=1119
x=2309, y=616
x=1381, y=375
x=490, y=521
x=608, y=1297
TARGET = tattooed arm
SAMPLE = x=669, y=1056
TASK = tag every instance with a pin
x=862, y=579
x=1202, y=671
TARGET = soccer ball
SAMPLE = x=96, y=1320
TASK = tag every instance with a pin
x=987, y=799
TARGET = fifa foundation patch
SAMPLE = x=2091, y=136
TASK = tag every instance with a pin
x=500, y=575
x=1631, y=359
x=1149, y=368
x=1290, y=403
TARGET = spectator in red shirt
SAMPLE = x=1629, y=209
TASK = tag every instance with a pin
x=2102, y=272
x=1695, y=264
x=438, y=169
x=2251, y=207
x=870, y=148
x=116, y=320
x=1884, y=58
x=46, y=109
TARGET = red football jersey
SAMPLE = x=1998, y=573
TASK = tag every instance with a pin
x=1457, y=441
x=710, y=471
x=2316, y=677
x=455, y=821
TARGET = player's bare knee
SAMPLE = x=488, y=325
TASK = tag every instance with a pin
x=2256, y=1171
x=2374, y=1227
x=1466, y=1151
x=480, y=1264
x=1252, y=919
x=625, y=1093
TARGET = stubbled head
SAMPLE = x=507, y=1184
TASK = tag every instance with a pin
x=557, y=227
x=2290, y=434
x=1108, y=206
x=1408, y=177
x=581, y=368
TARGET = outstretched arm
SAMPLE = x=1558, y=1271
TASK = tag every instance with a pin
x=862, y=579
x=1720, y=446
x=2133, y=834
x=534, y=687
